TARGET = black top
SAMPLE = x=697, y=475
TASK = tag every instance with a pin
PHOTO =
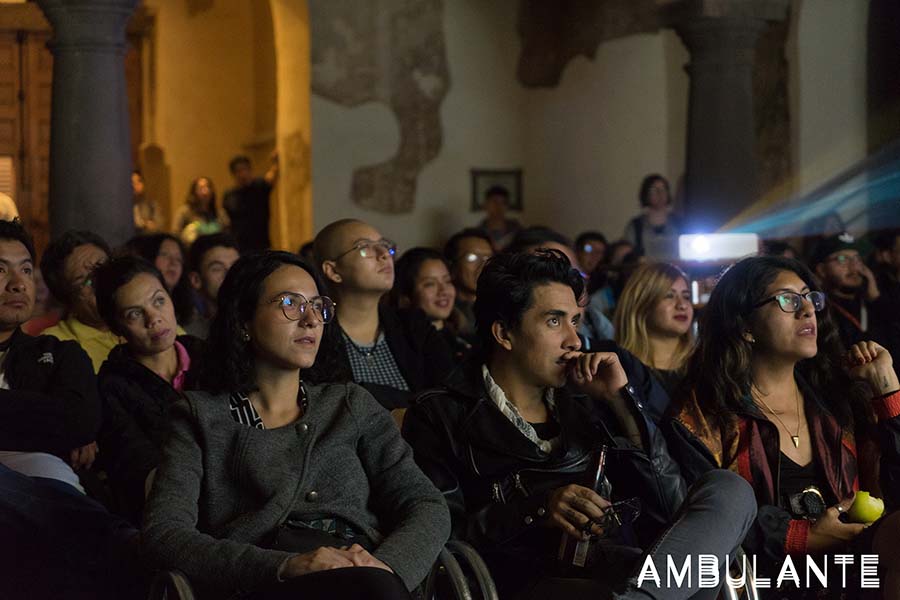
x=248, y=209
x=547, y=430
x=794, y=478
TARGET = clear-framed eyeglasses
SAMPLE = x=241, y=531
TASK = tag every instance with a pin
x=791, y=302
x=294, y=306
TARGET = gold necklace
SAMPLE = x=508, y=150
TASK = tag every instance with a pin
x=795, y=437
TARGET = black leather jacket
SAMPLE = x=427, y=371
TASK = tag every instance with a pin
x=497, y=482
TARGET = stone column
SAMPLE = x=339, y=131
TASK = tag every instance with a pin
x=722, y=175
x=90, y=153
x=292, y=208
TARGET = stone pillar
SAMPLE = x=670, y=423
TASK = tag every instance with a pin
x=722, y=174
x=90, y=153
x=292, y=208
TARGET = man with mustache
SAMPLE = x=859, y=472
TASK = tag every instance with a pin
x=854, y=299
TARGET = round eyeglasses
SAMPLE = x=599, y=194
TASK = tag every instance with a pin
x=371, y=249
x=294, y=307
x=791, y=302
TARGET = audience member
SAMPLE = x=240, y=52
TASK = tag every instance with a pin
x=590, y=250
x=617, y=252
x=57, y=543
x=773, y=398
x=594, y=326
x=495, y=224
x=393, y=354
x=145, y=213
x=279, y=486
x=142, y=377
x=467, y=251
x=247, y=203
x=166, y=253
x=654, y=321
x=210, y=258
x=200, y=214
x=509, y=440
x=68, y=265
x=423, y=282
x=856, y=302
x=654, y=233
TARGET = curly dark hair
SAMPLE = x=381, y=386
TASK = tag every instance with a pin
x=54, y=261
x=239, y=297
x=114, y=274
x=719, y=370
x=148, y=247
x=506, y=285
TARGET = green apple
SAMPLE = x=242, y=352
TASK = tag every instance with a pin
x=865, y=509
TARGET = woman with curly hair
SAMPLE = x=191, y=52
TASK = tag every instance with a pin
x=277, y=486
x=654, y=318
x=772, y=396
x=200, y=214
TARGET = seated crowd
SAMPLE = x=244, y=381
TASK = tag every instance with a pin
x=319, y=426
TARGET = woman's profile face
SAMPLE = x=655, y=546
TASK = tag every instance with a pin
x=790, y=335
x=276, y=340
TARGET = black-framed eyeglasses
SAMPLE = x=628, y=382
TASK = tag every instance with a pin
x=294, y=306
x=791, y=302
x=371, y=248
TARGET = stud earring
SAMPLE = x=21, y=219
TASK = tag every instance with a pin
x=245, y=336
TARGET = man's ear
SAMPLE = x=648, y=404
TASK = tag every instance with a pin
x=194, y=279
x=501, y=335
x=331, y=274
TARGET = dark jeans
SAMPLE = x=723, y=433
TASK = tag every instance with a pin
x=716, y=515
x=353, y=583
x=57, y=543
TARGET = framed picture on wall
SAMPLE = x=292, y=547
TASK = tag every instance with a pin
x=485, y=179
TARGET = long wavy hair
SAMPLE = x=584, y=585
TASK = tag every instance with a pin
x=232, y=368
x=645, y=288
x=211, y=212
x=720, y=368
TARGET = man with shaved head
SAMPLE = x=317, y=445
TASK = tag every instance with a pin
x=394, y=354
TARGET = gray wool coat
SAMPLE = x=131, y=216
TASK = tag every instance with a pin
x=222, y=488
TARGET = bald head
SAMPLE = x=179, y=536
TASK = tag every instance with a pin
x=332, y=240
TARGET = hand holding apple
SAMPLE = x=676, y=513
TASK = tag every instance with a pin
x=866, y=508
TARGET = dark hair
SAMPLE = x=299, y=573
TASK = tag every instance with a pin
x=137, y=172
x=240, y=159
x=778, y=248
x=232, y=369
x=148, y=247
x=210, y=213
x=204, y=244
x=719, y=371
x=885, y=240
x=506, y=286
x=533, y=237
x=14, y=231
x=114, y=274
x=451, y=248
x=406, y=270
x=54, y=260
x=647, y=183
x=497, y=190
x=585, y=237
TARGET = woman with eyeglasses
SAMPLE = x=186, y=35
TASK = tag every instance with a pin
x=393, y=354
x=773, y=397
x=276, y=485
x=142, y=377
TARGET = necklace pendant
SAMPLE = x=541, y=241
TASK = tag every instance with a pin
x=796, y=440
